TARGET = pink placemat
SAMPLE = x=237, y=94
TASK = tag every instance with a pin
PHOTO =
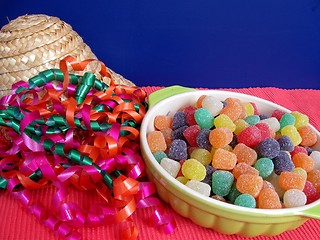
x=17, y=223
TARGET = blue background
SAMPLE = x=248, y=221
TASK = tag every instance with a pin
x=202, y=43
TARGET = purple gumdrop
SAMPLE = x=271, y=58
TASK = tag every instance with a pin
x=285, y=143
x=178, y=133
x=179, y=120
x=208, y=177
x=203, y=138
x=178, y=150
x=269, y=148
x=282, y=162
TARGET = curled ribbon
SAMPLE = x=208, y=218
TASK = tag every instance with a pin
x=66, y=130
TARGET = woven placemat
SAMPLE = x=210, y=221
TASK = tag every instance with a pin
x=30, y=44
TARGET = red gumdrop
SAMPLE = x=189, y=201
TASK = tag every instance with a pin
x=277, y=114
x=265, y=130
x=189, y=110
x=190, y=133
x=251, y=136
x=311, y=192
x=298, y=149
x=256, y=111
x=180, y=171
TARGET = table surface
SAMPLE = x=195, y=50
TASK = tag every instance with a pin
x=17, y=223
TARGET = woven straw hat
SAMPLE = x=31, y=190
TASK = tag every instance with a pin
x=34, y=43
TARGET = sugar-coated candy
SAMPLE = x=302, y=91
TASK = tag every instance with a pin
x=199, y=101
x=234, y=141
x=309, y=150
x=249, y=109
x=171, y=166
x=222, y=182
x=251, y=184
x=251, y=136
x=282, y=162
x=252, y=119
x=245, y=200
x=274, y=180
x=256, y=110
x=220, y=137
x=204, y=118
x=269, y=148
x=311, y=192
x=272, y=122
x=162, y=121
x=285, y=143
x=308, y=136
x=182, y=179
x=179, y=120
x=213, y=105
x=265, y=167
x=233, y=194
x=190, y=134
x=159, y=155
x=301, y=171
x=202, y=155
x=269, y=199
x=278, y=114
x=292, y=133
x=265, y=130
x=301, y=119
x=167, y=134
x=233, y=109
x=315, y=155
x=287, y=119
x=294, y=198
x=245, y=154
x=178, y=150
x=208, y=177
x=193, y=169
x=223, y=159
x=314, y=178
x=298, y=149
x=203, y=138
x=291, y=180
x=199, y=187
x=264, y=116
x=240, y=126
x=244, y=168
x=190, y=110
x=178, y=133
x=304, y=161
x=156, y=141
x=267, y=184
x=224, y=121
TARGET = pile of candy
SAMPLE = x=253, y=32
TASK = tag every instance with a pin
x=229, y=151
x=63, y=130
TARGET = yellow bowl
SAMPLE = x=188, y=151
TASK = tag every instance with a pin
x=204, y=211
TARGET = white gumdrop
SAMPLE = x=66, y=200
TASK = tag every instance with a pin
x=315, y=155
x=272, y=122
x=200, y=187
x=171, y=166
x=213, y=105
x=294, y=198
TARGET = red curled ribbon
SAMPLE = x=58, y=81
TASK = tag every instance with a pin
x=64, y=130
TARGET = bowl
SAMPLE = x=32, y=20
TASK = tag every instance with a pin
x=220, y=216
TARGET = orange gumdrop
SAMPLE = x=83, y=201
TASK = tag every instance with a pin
x=167, y=133
x=245, y=154
x=269, y=199
x=291, y=180
x=220, y=137
x=199, y=101
x=233, y=109
x=244, y=168
x=308, y=135
x=314, y=178
x=223, y=159
x=156, y=141
x=251, y=184
x=162, y=122
x=304, y=161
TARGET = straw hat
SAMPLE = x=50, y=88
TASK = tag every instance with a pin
x=34, y=43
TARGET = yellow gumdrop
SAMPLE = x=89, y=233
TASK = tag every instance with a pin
x=182, y=179
x=248, y=108
x=241, y=124
x=193, y=170
x=223, y=121
x=301, y=119
x=300, y=171
x=292, y=133
x=202, y=155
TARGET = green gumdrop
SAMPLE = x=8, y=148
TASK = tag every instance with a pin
x=222, y=182
x=265, y=167
x=204, y=118
x=287, y=119
x=252, y=119
x=245, y=200
x=233, y=194
x=159, y=156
